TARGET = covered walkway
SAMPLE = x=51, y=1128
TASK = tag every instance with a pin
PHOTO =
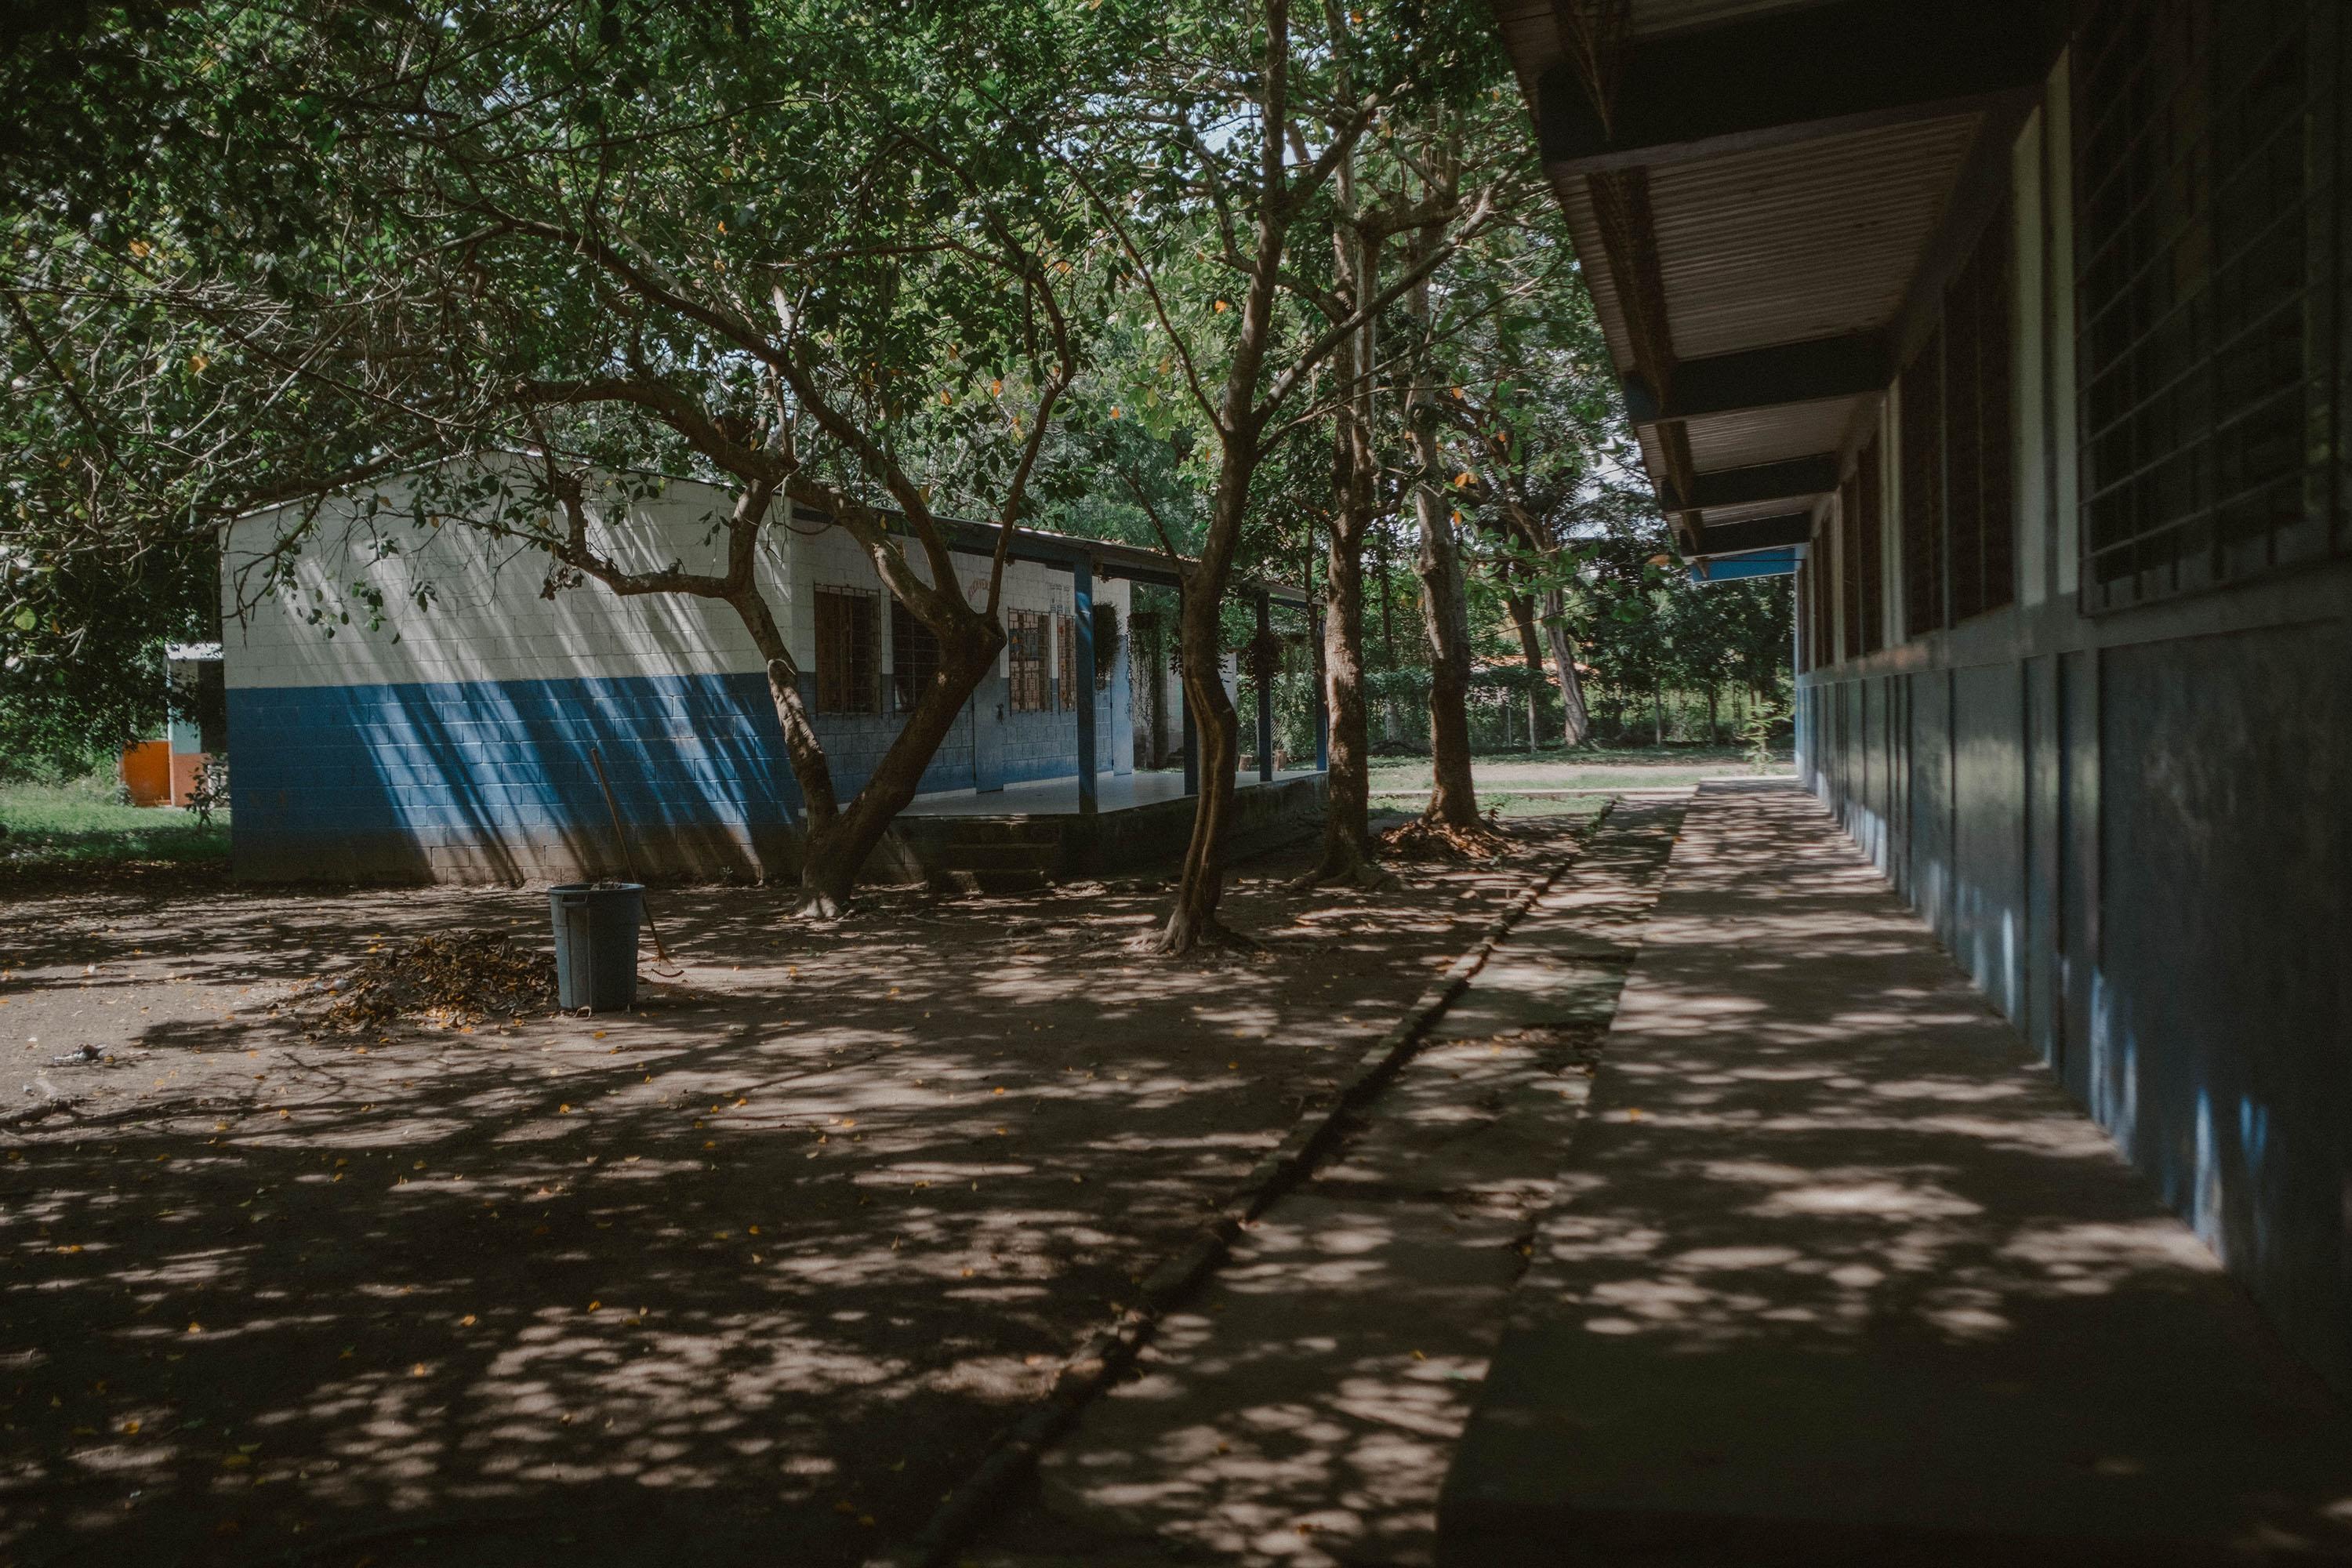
x=1846, y=1277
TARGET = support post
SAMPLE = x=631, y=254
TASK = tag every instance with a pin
x=1264, y=678
x=1082, y=618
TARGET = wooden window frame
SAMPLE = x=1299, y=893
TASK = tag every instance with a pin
x=914, y=657
x=846, y=635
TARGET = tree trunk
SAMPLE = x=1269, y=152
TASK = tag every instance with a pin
x=838, y=841
x=1348, y=855
x=1713, y=728
x=1523, y=616
x=1658, y=713
x=1445, y=612
x=1216, y=727
x=1446, y=609
x=1576, y=726
x=1388, y=612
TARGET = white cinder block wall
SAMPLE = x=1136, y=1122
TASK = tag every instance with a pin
x=413, y=702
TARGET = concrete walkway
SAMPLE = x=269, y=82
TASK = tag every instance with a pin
x=1845, y=1278
x=1302, y=1408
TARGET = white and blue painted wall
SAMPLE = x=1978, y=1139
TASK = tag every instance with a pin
x=409, y=701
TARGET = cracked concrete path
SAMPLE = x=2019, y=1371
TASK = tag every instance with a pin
x=1302, y=1407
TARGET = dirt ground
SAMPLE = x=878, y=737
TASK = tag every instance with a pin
x=749, y=1275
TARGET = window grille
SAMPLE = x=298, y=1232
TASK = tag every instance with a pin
x=1065, y=659
x=1819, y=650
x=2207, y=275
x=1804, y=659
x=1870, y=495
x=914, y=657
x=1979, y=495
x=1025, y=649
x=845, y=662
x=1849, y=512
x=1922, y=457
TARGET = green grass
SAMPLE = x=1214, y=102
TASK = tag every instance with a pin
x=80, y=824
x=1646, y=767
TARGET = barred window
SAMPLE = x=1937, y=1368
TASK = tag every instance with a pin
x=914, y=657
x=1870, y=497
x=1804, y=602
x=1921, y=452
x=1979, y=479
x=2204, y=250
x=1820, y=651
x=1065, y=659
x=1849, y=513
x=845, y=659
x=1025, y=649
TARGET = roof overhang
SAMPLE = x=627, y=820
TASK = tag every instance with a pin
x=1766, y=210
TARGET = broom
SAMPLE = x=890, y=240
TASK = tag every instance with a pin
x=621, y=837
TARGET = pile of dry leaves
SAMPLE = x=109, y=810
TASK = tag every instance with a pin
x=1424, y=839
x=457, y=977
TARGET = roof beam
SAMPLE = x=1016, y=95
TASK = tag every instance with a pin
x=1793, y=75
x=1756, y=533
x=1793, y=479
x=1763, y=378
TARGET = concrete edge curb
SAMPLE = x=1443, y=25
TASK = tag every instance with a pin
x=1106, y=1352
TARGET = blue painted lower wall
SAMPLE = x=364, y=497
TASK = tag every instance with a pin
x=2142, y=852
x=491, y=780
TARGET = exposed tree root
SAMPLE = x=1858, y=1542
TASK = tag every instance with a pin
x=1427, y=838
x=819, y=905
x=1346, y=868
x=1211, y=936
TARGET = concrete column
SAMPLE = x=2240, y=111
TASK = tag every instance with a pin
x=1082, y=619
x=1265, y=696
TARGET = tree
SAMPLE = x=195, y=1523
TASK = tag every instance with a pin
x=826, y=265
x=1237, y=158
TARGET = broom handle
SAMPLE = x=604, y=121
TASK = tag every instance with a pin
x=622, y=839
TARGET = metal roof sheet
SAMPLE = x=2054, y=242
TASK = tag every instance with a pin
x=1768, y=435
x=1811, y=240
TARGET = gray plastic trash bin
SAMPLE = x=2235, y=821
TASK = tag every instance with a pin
x=596, y=943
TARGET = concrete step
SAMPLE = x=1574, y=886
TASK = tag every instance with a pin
x=1012, y=882
x=998, y=857
x=998, y=830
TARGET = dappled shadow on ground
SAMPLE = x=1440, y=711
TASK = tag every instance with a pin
x=1843, y=1275
x=751, y=1274
x=1301, y=1406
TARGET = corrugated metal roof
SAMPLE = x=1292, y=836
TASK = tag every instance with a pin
x=1652, y=16
x=1768, y=435
x=1752, y=510
x=1794, y=242
x=1811, y=240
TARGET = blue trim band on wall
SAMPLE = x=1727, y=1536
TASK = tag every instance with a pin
x=412, y=779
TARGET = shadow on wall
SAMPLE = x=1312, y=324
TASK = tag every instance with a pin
x=492, y=782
